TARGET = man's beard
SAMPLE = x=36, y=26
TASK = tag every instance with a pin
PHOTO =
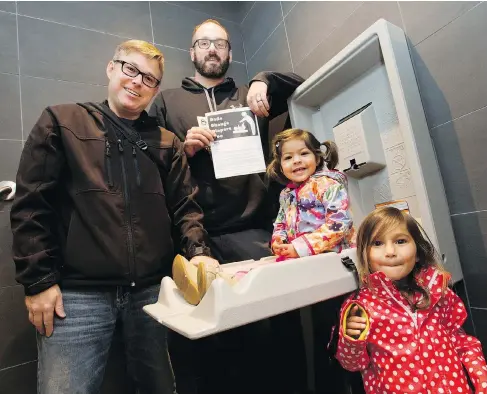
x=212, y=71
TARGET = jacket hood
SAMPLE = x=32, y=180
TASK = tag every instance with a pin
x=334, y=174
x=191, y=85
x=143, y=120
x=214, y=94
x=424, y=276
x=431, y=278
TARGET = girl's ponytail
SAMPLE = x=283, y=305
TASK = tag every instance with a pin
x=331, y=155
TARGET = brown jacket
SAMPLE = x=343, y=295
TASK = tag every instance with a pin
x=93, y=210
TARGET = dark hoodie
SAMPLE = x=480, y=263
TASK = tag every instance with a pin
x=230, y=204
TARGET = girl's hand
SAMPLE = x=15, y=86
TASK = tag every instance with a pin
x=286, y=250
x=275, y=245
x=355, y=323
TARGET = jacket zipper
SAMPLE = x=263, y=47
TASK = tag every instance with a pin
x=108, y=164
x=128, y=216
x=413, y=315
x=298, y=216
x=136, y=165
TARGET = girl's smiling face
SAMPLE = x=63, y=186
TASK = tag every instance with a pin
x=298, y=162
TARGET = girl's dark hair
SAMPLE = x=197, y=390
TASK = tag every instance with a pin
x=375, y=226
x=330, y=157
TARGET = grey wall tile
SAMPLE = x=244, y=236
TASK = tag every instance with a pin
x=8, y=44
x=48, y=50
x=238, y=72
x=309, y=23
x=244, y=9
x=177, y=65
x=364, y=17
x=10, y=126
x=124, y=18
x=273, y=56
x=7, y=267
x=229, y=10
x=173, y=26
x=450, y=68
x=287, y=6
x=259, y=24
x=471, y=239
x=9, y=159
x=19, y=380
x=38, y=93
x=236, y=39
x=18, y=344
x=461, y=290
x=480, y=320
x=423, y=18
x=8, y=6
x=460, y=150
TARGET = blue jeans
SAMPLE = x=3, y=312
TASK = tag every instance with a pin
x=73, y=359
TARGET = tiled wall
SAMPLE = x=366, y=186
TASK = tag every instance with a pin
x=52, y=53
x=449, y=51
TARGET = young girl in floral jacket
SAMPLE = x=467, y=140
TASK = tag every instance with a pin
x=403, y=331
x=314, y=215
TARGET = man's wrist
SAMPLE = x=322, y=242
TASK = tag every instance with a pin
x=200, y=250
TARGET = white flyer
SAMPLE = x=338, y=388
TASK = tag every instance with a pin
x=238, y=148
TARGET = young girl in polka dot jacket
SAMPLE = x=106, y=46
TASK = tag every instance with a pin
x=403, y=331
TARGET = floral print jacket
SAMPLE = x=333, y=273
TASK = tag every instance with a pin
x=405, y=351
x=314, y=216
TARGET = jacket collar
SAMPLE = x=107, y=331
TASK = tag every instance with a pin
x=143, y=120
x=334, y=174
x=430, y=278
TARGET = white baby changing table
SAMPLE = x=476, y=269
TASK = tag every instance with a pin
x=367, y=99
x=269, y=289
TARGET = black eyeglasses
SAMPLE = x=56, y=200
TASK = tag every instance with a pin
x=204, y=43
x=132, y=71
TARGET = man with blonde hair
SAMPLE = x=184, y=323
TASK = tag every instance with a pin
x=102, y=191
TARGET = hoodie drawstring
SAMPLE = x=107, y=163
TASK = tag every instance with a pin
x=208, y=99
x=213, y=95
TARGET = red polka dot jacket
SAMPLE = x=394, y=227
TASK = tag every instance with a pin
x=402, y=351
